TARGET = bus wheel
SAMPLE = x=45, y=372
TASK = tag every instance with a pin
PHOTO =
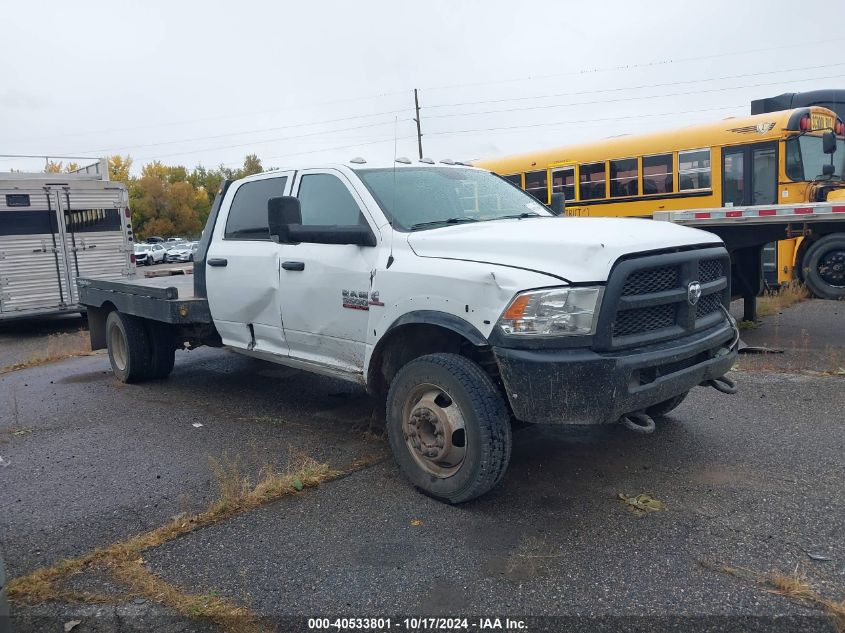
x=824, y=267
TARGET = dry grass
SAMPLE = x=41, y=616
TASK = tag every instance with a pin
x=59, y=347
x=786, y=296
x=794, y=586
x=236, y=494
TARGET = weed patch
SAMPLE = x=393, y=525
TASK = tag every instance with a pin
x=59, y=347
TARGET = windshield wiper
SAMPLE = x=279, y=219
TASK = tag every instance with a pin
x=422, y=225
x=525, y=214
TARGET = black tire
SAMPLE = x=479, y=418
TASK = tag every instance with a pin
x=129, y=347
x=486, y=432
x=663, y=408
x=162, y=349
x=823, y=267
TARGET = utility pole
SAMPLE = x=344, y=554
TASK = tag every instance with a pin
x=419, y=131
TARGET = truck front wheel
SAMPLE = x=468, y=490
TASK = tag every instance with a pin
x=823, y=267
x=129, y=347
x=448, y=427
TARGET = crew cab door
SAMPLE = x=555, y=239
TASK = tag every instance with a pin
x=242, y=268
x=325, y=288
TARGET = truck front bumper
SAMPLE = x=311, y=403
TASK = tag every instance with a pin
x=580, y=386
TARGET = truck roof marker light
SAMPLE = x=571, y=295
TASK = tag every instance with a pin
x=358, y=160
x=516, y=309
x=427, y=161
x=404, y=160
x=447, y=161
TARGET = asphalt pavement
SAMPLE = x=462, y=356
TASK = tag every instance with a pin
x=753, y=481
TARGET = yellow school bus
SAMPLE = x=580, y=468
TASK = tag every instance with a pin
x=770, y=158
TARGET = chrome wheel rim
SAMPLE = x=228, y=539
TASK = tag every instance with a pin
x=434, y=430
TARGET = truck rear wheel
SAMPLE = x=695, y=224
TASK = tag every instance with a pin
x=162, y=349
x=823, y=266
x=448, y=427
x=129, y=347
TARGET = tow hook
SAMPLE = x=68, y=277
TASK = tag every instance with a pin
x=723, y=384
x=638, y=422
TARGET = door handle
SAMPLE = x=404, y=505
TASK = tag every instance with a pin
x=293, y=265
x=218, y=261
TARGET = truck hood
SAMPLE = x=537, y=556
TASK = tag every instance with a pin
x=573, y=249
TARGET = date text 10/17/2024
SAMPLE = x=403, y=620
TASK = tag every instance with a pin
x=417, y=624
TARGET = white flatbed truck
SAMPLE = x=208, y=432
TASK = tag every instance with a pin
x=449, y=293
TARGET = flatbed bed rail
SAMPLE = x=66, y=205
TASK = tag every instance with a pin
x=763, y=214
x=163, y=299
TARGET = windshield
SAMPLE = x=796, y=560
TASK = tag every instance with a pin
x=805, y=159
x=427, y=197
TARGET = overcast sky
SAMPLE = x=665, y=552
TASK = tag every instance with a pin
x=208, y=82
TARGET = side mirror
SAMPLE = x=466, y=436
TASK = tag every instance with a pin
x=828, y=169
x=558, y=205
x=828, y=142
x=281, y=213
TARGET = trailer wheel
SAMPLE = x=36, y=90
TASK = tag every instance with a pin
x=824, y=267
x=162, y=349
x=662, y=408
x=448, y=427
x=129, y=347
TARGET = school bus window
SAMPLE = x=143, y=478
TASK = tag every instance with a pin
x=535, y=184
x=592, y=181
x=657, y=174
x=694, y=169
x=623, y=178
x=563, y=181
x=516, y=179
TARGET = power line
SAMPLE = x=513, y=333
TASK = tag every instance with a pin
x=585, y=71
x=639, y=98
x=607, y=90
x=338, y=147
x=258, y=131
x=576, y=121
x=215, y=118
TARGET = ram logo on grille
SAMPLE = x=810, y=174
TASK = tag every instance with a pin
x=694, y=293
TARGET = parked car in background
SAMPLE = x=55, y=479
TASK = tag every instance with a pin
x=159, y=253
x=184, y=253
x=155, y=239
x=142, y=255
x=5, y=624
x=172, y=248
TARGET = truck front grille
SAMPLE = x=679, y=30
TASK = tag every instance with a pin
x=649, y=299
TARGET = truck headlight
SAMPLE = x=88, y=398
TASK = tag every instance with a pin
x=552, y=312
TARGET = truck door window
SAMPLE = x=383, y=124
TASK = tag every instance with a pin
x=248, y=214
x=326, y=201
